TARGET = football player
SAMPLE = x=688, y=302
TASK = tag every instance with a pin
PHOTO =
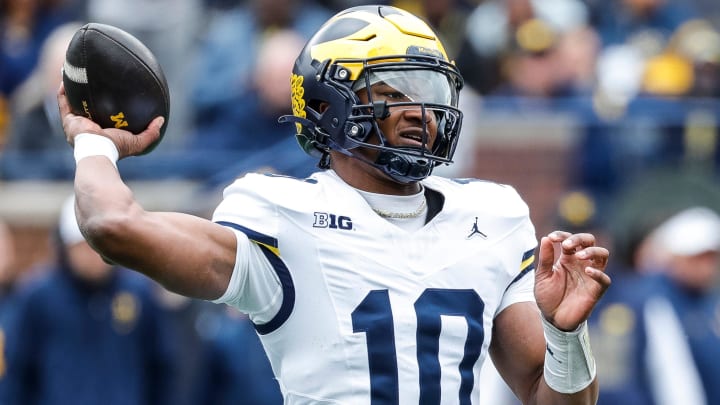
x=371, y=281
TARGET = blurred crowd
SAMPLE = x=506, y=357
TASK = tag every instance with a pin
x=639, y=79
x=76, y=329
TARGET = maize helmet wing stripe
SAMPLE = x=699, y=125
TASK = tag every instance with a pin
x=360, y=34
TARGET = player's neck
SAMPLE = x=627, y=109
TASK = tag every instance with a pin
x=364, y=177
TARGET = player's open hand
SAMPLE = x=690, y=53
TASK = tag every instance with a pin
x=570, y=278
x=127, y=143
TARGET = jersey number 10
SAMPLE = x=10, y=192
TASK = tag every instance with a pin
x=374, y=317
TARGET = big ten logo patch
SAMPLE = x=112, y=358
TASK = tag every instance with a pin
x=332, y=221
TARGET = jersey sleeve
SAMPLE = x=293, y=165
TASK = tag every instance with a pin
x=520, y=291
x=254, y=286
x=519, y=260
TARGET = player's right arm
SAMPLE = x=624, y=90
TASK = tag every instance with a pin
x=186, y=254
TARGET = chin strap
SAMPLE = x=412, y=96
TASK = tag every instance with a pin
x=403, y=168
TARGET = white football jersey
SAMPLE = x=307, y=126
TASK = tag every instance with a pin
x=371, y=313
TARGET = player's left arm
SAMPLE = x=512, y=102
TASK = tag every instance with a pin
x=568, y=284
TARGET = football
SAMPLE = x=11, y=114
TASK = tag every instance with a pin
x=112, y=78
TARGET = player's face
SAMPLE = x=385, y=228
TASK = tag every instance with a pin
x=408, y=105
x=404, y=125
x=698, y=272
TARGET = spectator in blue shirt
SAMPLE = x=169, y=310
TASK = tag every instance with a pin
x=236, y=371
x=658, y=335
x=86, y=333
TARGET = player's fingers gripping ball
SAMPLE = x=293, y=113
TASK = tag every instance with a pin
x=113, y=79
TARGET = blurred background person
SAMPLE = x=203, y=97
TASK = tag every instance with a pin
x=683, y=311
x=654, y=107
x=616, y=329
x=8, y=272
x=87, y=333
x=170, y=29
x=35, y=143
x=549, y=55
x=618, y=340
x=617, y=21
x=238, y=85
x=24, y=25
x=243, y=134
x=489, y=33
x=190, y=321
x=8, y=278
x=503, y=36
x=237, y=370
x=642, y=332
x=228, y=50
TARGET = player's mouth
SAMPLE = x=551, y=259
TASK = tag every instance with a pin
x=412, y=137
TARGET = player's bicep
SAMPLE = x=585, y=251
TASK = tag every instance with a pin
x=518, y=348
x=186, y=254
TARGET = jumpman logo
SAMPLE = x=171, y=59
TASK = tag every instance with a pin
x=476, y=231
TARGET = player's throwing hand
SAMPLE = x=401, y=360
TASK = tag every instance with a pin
x=127, y=143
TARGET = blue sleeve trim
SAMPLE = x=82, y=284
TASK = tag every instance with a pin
x=265, y=243
x=252, y=235
x=288, y=288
